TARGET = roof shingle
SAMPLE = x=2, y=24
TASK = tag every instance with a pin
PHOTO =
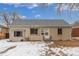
x=40, y=23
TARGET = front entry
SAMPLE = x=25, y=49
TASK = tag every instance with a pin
x=46, y=34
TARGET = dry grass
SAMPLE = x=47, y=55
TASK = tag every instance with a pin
x=65, y=43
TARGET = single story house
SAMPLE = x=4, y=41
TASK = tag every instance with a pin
x=75, y=30
x=24, y=30
x=4, y=32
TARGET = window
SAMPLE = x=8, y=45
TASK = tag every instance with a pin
x=46, y=33
x=33, y=31
x=42, y=32
x=59, y=31
x=7, y=35
x=17, y=33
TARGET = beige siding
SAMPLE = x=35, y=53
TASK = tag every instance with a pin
x=53, y=32
x=36, y=37
x=25, y=33
x=66, y=34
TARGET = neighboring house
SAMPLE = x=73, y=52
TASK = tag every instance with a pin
x=40, y=30
x=4, y=32
x=75, y=30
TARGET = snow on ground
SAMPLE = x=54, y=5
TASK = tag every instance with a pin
x=23, y=48
x=4, y=45
x=67, y=51
x=35, y=49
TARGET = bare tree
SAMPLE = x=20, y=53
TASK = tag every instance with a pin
x=5, y=17
x=67, y=6
x=15, y=15
x=8, y=19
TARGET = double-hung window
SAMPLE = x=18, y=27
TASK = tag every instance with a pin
x=18, y=33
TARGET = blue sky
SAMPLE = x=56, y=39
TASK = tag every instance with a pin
x=34, y=11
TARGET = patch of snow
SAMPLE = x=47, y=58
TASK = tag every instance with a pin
x=35, y=49
x=23, y=48
x=50, y=43
x=69, y=51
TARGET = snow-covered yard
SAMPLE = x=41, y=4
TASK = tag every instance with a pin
x=23, y=48
x=66, y=51
x=35, y=49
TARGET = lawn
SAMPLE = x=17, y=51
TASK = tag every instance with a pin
x=65, y=48
x=22, y=48
x=37, y=48
x=65, y=43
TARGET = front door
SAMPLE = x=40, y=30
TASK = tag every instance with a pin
x=46, y=34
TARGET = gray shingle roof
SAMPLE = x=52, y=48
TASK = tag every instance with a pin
x=41, y=23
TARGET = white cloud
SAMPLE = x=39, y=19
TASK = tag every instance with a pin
x=50, y=3
x=18, y=5
x=27, y=5
x=37, y=16
x=32, y=6
x=22, y=17
x=5, y=8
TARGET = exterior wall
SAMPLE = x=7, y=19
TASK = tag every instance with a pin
x=3, y=33
x=36, y=37
x=26, y=34
x=66, y=34
x=18, y=38
x=75, y=31
x=53, y=32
